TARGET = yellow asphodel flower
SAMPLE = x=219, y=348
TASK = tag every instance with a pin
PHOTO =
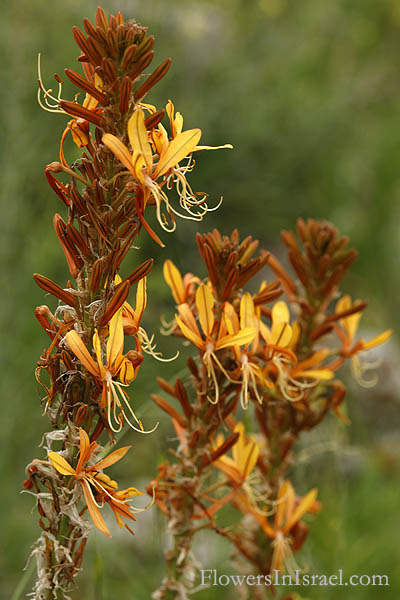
x=350, y=347
x=282, y=339
x=114, y=364
x=151, y=176
x=289, y=512
x=250, y=374
x=212, y=341
x=95, y=483
x=244, y=457
x=181, y=287
x=131, y=319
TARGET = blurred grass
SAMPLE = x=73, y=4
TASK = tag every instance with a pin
x=308, y=93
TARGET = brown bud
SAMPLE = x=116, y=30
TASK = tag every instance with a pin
x=96, y=275
x=82, y=83
x=52, y=288
x=154, y=119
x=166, y=387
x=140, y=65
x=183, y=399
x=222, y=449
x=77, y=239
x=142, y=271
x=166, y=407
x=81, y=414
x=125, y=95
x=128, y=56
x=154, y=78
x=76, y=110
x=120, y=295
x=101, y=18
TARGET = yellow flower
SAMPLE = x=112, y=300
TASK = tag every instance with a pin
x=244, y=457
x=212, y=340
x=155, y=163
x=282, y=339
x=283, y=531
x=94, y=482
x=249, y=371
x=350, y=347
x=181, y=287
x=107, y=368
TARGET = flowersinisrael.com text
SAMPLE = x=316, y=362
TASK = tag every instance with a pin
x=210, y=577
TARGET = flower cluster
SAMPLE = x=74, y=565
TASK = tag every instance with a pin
x=271, y=357
x=128, y=162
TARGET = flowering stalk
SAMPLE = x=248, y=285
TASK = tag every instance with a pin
x=129, y=162
x=253, y=356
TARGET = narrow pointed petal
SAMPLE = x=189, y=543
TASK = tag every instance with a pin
x=228, y=146
x=93, y=509
x=81, y=352
x=120, y=151
x=189, y=334
x=247, y=313
x=112, y=458
x=245, y=336
x=205, y=303
x=60, y=464
x=280, y=312
x=323, y=374
x=84, y=446
x=378, y=340
x=281, y=503
x=139, y=138
x=115, y=342
x=188, y=319
x=177, y=150
x=141, y=300
x=302, y=508
x=281, y=334
x=174, y=279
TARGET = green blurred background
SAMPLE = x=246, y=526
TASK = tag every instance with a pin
x=309, y=94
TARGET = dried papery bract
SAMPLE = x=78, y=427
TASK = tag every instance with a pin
x=128, y=166
x=273, y=352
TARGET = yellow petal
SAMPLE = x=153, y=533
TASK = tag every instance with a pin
x=189, y=334
x=138, y=136
x=181, y=146
x=230, y=320
x=115, y=342
x=205, y=303
x=323, y=374
x=126, y=372
x=245, y=336
x=111, y=458
x=81, y=352
x=120, y=150
x=229, y=146
x=93, y=509
x=97, y=349
x=174, y=279
x=283, y=495
x=188, y=318
x=141, y=300
x=343, y=304
x=84, y=445
x=280, y=312
x=60, y=464
x=281, y=334
x=377, y=340
x=295, y=335
x=247, y=313
x=302, y=508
